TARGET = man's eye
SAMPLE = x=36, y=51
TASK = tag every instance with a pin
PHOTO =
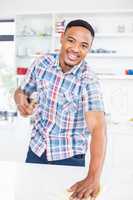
x=70, y=40
x=84, y=46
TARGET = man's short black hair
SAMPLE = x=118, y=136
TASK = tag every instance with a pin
x=83, y=23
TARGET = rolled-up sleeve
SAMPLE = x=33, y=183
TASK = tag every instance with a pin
x=28, y=84
x=92, y=96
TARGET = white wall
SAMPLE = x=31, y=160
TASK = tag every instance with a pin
x=29, y=6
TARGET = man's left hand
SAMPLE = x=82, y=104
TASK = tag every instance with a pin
x=84, y=189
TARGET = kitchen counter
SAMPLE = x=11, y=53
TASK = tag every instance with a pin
x=7, y=180
x=34, y=181
x=20, y=181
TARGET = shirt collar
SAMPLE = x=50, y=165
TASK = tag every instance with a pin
x=73, y=71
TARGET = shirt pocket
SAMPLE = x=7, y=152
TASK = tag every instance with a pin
x=42, y=85
x=71, y=102
x=43, y=88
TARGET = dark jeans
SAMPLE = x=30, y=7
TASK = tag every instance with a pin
x=77, y=160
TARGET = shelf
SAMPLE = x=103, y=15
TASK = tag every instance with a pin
x=105, y=35
x=30, y=36
x=95, y=12
x=89, y=56
x=29, y=56
x=113, y=35
x=106, y=55
x=115, y=77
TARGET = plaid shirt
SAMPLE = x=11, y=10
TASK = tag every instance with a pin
x=63, y=98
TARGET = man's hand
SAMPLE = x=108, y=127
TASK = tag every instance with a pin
x=25, y=108
x=88, y=188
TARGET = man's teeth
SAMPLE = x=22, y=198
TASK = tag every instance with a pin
x=73, y=57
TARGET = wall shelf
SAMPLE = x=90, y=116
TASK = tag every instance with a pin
x=34, y=36
x=29, y=56
x=116, y=77
x=114, y=35
x=103, y=56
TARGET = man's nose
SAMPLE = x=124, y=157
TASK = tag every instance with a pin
x=76, y=47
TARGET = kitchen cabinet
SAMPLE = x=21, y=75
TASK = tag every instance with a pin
x=111, y=51
x=14, y=139
x=122, y=150
x=119, y=147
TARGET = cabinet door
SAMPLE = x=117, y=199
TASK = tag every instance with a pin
x=122, y=151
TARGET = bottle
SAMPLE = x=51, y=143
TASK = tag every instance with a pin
x=21, y=71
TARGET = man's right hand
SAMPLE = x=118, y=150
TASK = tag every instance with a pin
x=25, y=108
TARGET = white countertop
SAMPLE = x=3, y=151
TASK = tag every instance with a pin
x=34, y=181
x=46, y=182
x=19, y=181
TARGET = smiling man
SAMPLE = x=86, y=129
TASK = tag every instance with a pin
x=69, y=109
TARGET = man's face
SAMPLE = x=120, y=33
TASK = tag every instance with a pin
x=75, y=44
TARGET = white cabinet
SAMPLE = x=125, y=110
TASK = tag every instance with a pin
x=122, y=151
x=120, y=147
x=111, y=52
x=14, y=139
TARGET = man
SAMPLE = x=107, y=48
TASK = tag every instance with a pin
x=69, y=109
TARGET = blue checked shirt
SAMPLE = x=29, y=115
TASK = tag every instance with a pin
x=60, y=128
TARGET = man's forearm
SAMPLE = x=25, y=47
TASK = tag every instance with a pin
x=97, y=152
x=90, y=186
